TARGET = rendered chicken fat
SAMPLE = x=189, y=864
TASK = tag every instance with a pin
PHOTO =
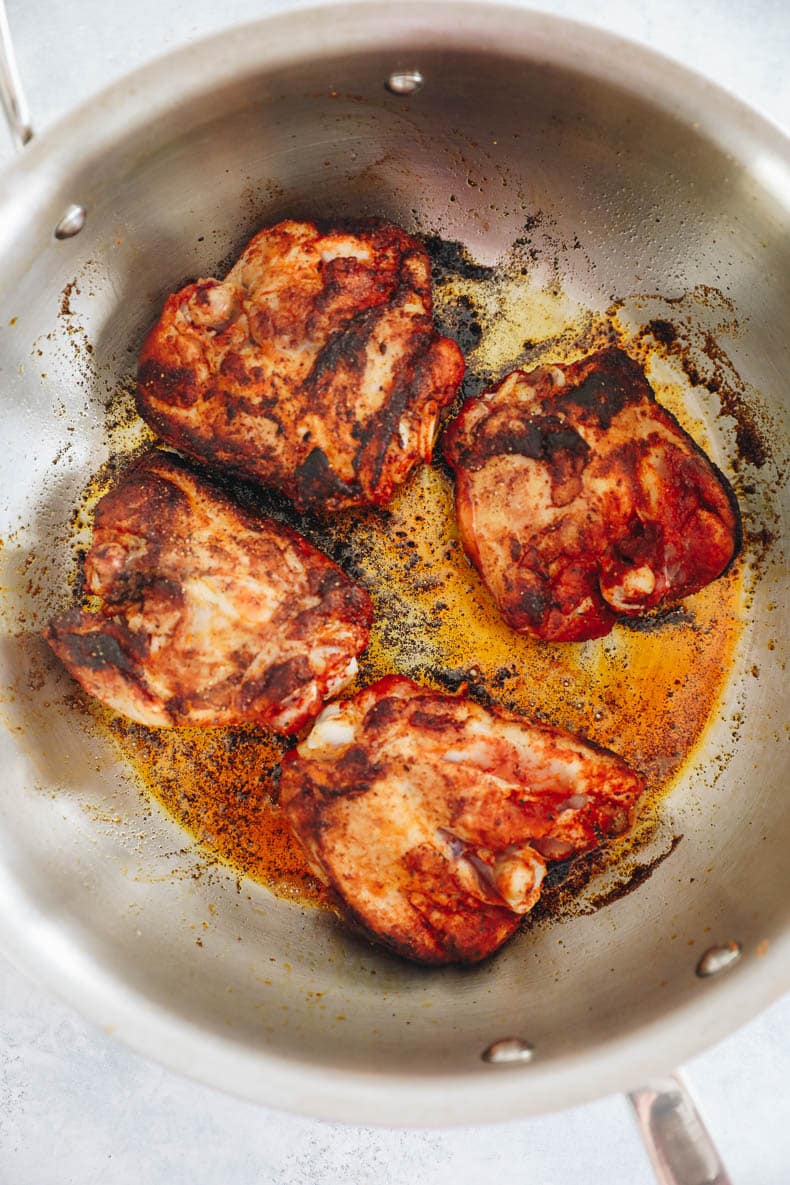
x=313, y=367
x=210, y=616
x=433, y=818
x=580, y=498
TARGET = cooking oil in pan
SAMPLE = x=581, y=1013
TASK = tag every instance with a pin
x=647, y=690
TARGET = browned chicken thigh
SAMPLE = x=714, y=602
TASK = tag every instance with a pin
x=210, y=616
x=580, y=498
x=313, y=367
x=433, y=818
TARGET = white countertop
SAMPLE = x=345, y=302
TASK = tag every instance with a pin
x=75, y=1106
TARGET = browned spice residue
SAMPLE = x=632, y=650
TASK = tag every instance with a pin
x=65, y=298
x=706, y=364
x=221, y=785
x=663, y=331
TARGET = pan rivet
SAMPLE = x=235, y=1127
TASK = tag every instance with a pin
x=71, y=223
x=405, y=82
x=718, y=958
x=508, y=1051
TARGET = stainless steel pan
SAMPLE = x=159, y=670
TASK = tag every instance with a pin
x=669, y=184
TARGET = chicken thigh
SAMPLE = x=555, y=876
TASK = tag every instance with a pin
x=433, y=818
x=580, y=498
x=209, y=616
x=314, y=367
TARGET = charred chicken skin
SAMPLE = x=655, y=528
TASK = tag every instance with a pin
x=314, y=367
x=434, y=818
x=579, y=498
x=210, y=616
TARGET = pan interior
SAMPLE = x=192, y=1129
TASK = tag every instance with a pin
x=620, y=200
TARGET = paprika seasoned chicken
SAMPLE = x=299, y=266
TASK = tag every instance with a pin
x=314, y=367
x=434, y=818
x=210, y=616
x=579, y=498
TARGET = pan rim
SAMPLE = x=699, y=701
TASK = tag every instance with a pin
x=488, y=1094
x=133, y=102
x=356, y=1096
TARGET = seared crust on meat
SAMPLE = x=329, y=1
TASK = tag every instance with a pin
x=313, y=367
x=210, y=616
x=580, y=498
x=433, y=817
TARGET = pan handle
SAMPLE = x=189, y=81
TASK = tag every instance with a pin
x=677, y=1140
x=11, y=93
